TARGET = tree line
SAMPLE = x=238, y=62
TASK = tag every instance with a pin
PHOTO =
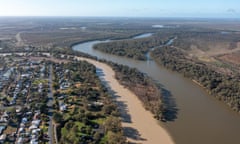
x=223, y=87
x=132, y=48
x=143, y=87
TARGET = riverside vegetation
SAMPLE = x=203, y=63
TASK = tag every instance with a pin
x=140, y=84
x=143, y=87
x=132, y=48
x=224, y=87
x=84, y=111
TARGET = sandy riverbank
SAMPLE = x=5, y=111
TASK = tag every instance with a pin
x=140, y=127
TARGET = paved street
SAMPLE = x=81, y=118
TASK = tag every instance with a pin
x=50, y=104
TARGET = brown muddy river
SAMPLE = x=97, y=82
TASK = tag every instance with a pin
x=197, y=118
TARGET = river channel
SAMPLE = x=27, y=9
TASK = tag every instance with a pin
x=198, y=117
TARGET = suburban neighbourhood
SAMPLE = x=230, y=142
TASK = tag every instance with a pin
x=45, y=99
x=24, y=92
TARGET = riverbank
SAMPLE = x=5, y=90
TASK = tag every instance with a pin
x=142, y=127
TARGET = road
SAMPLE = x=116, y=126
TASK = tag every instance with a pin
x=50, y=104
x=19, y=40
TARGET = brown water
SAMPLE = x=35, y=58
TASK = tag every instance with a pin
x=200, y=118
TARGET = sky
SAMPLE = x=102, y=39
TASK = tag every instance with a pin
x=122, y=8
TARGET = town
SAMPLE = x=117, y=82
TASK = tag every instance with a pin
x=46, y=100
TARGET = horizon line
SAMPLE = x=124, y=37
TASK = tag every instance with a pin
x=150, y=17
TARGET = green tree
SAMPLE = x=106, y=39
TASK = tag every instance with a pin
x=113, y=124
x=57, y=117
x=116, y=138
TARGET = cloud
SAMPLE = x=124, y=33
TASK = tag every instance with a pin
x=230, y=10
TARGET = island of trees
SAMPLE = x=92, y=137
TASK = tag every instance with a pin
x=132, y=48
x=143, y=87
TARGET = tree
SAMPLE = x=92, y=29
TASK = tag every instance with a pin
x=114, y=138
x=97, y=137
x=109, y=108
x=113, y=124
x=57, y=117
x=56, y=85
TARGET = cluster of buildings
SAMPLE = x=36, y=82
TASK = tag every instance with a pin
x=29, y=128
x=21, y=88
x=20, y=117
x=5, y=76
x=4, y=118
x=64, y=84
